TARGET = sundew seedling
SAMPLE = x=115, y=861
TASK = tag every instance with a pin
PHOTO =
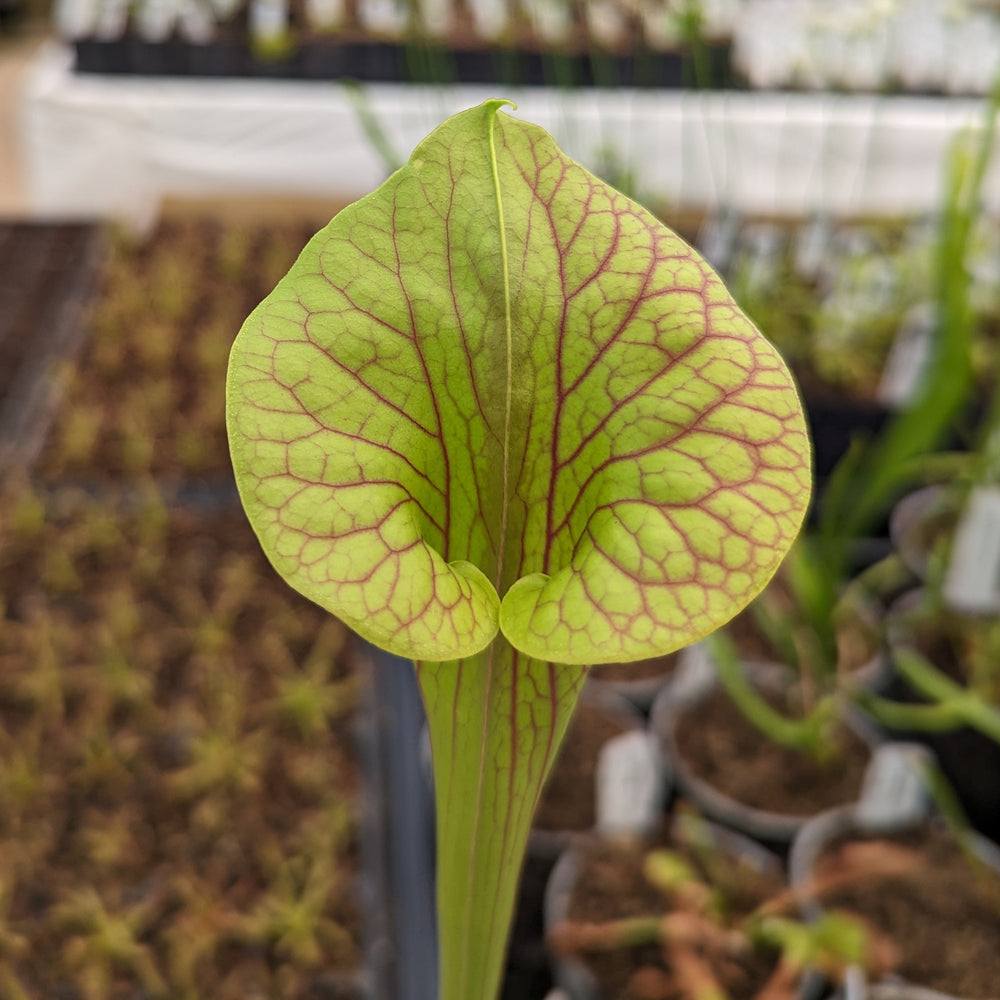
x=501, y=421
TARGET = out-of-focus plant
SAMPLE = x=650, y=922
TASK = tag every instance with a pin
x=702, y=929
x=872, y=475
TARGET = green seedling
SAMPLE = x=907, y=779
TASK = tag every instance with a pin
x=309, y=698
x=701, y=932
x=291, y=918
x=203, y=923
x=223, y=761
x=501, y=421
x=102, y=941
x=866, y=482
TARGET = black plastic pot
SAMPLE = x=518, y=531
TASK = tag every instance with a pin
x=640, y=692
x=691, y=687
x=917, y=523
x=373, y=60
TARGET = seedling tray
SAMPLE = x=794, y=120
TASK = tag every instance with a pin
x=390, y=62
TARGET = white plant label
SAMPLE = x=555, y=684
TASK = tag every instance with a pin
x=606, y=22
x=551, y=20
x=268, y=19
x=436, y=16
x=325, y=14
x=629, y=783
x=812, y=247
x=155, y=19
x=75, y=18
x=718, y=238
x=972, y=581
x=112, y=20
x=908, y=358
x=694, y=674
x=893, y=792
x=384, y=16
x=195, y=22
x=491, y=17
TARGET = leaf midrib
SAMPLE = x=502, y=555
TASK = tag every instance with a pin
x=504, y=504
x=509, y=344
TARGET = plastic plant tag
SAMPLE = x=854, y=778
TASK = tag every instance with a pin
x=386, y=17
x=660, y=26
x=813, y=245
x=893, y=793
x=718, y=237
x=551, y=20
x=75, y=18
x=324, y=15
x=972, y=582
x=909, y=357
x=695, y=671
x=436, y=16
x=761, y=253
x=195, y=22
x=111, y=20
x=629, y=784
x=268, y=20
x=490, y=17
x=855, y=983
x=606, y=22
x=155, y=20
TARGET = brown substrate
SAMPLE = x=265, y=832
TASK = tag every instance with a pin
x=943, y=917
x=148, y=396
x=178, y=787
x=611, y=885
x=724, y=750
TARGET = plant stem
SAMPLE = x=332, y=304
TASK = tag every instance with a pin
x=806, y=734
x=968, y=706
x=901, y=716
x=493, y=748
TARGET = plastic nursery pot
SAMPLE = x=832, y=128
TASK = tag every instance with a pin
x=609, y=776
x=918, y=522
x=640, y=682
x=890, y=991
x=694, y=714
x=574, y=977
x=894, y=805
x=858, y=989
x=969, y=758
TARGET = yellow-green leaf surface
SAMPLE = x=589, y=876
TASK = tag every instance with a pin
x=497, y=417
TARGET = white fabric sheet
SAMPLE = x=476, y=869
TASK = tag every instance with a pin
x=115, y=146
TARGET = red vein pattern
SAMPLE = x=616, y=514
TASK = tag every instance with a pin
x=658, y=463
x=632, y=485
